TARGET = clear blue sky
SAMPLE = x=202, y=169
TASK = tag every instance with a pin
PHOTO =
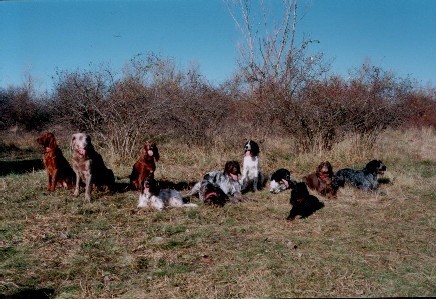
x=39, y=37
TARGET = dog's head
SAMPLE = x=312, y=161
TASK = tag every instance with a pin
x=299, y=193
x=251, y=148
x=375, y=167
x=150, y=186
x=232, y=169
x=280, y=180
x=48, y=141
x=150, y=150
x=213, y=195
x=81, y=143
x=324, y=170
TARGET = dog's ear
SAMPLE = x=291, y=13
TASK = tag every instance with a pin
x=156, y=153
x=372, y=165
x=52, y=142
x=88, y=142
x=292, y=184
x=330, y=167
x=73, y=140
x=256, y=148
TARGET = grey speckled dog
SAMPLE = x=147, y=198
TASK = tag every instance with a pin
x=365, y=179
x=219, y=187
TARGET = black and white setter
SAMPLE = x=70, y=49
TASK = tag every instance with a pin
x=281, y=180
x=302, y=202
x=251, y=176
x=219, y=187
x=152, y=196
x=365, y=179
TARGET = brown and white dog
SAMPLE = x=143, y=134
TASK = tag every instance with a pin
x=145, y=165
x=89, y=166
x=322, y=180
x=59, y=171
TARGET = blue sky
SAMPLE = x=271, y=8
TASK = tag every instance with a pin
x=39, y=37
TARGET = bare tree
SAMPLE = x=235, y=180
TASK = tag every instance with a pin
x=275, y=64
x=270, y=54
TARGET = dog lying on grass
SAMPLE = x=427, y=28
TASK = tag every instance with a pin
x=152, y=196
x=365, y=179
x=302, y=202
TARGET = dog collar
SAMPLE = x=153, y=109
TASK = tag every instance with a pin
x=323, y=175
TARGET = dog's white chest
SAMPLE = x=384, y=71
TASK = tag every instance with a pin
x=251, y=167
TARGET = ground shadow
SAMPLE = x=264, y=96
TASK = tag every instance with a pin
x=20, y=166
x=26, y=293
x=122, y=187
x=384, y=181
x=179, y=186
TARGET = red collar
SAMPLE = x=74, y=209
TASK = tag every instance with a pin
x=323, y=175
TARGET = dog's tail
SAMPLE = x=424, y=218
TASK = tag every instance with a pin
x=190, y=205
x=194, y=191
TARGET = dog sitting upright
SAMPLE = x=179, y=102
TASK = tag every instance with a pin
x=251, y=176
x=59, y=171
x=145, y=165
x=89, y=166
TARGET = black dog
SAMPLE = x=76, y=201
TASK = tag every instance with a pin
x=302, y=202
x=365, y=179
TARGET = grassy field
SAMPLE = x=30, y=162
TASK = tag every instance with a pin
x=359, y=245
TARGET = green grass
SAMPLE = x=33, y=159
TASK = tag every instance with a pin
x=359, y=245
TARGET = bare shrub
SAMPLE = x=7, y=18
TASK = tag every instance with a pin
x=420, y=107
x=22, y=107
x=287, y=87
x=151, y=100
x=116, y=113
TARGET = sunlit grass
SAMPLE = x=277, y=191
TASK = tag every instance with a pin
x=359, y=245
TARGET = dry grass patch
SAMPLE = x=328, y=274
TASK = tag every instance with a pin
x=359, y=245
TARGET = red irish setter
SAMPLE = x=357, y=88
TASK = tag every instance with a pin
x=58, y=169
x=145, y=166
x=321, y=180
